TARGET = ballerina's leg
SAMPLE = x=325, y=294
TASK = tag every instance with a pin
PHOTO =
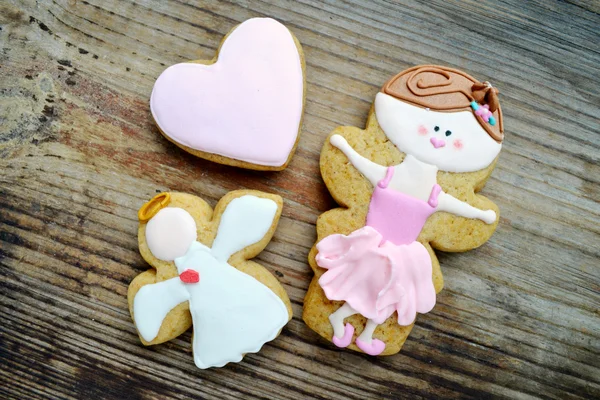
x=342, y=334
x=337, y=319
x=367, y=333
x=365, y=341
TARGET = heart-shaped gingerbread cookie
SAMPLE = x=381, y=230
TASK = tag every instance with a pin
x=243, y=108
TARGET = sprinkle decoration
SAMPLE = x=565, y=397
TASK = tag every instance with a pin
x=190, y=276
x=484, y=112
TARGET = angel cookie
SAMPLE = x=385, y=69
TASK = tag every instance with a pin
x=406, y=184
x=242, y=108
x=202, y=275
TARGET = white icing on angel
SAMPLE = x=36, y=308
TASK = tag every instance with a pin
x=232, y=312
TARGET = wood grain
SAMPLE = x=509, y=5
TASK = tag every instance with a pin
x=518, y=318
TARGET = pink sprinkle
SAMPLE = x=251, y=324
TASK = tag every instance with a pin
x=422, y=130
x=458, y=144
x=484, y=112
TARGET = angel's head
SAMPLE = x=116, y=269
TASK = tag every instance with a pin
x=171, y=222
x=443, y=117
x=170, y=231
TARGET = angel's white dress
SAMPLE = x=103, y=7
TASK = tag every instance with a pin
x=232, y=312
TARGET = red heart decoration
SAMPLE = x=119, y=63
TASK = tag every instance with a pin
x=190, y=276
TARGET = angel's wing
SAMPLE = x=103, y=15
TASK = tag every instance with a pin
x=233, y=313
x=153, y=302
x=245, y=221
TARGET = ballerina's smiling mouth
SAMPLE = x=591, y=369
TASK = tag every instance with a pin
x=437, y=143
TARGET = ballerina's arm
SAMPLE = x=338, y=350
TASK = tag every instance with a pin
x=372, y=171
x=454, y=206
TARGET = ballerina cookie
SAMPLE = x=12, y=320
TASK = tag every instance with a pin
x=203, y=275
x=407, y=184
x=242, y=108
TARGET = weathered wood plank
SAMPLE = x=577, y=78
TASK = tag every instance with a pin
x=79, y=153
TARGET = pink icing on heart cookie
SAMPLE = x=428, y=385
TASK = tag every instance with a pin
x=246, y=107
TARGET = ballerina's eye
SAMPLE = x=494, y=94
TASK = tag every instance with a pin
x=448, y=133
x=437, y=128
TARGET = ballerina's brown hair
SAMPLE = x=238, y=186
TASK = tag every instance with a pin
x=448, y=90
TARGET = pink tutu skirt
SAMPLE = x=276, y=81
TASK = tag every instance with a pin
x=376, y=277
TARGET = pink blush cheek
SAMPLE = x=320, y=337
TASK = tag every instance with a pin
x=422, y=130
x=458, y=144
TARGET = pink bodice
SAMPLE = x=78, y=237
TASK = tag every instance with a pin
x=397, y=216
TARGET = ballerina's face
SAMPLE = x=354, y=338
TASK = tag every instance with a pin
x=452, y=141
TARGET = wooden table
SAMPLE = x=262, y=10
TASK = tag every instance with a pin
x=518, y=317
